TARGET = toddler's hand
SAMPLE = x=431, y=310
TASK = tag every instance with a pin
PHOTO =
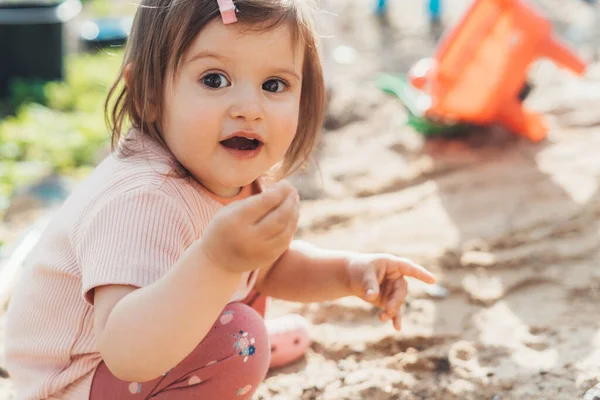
x=254, y=232
x=379, y=279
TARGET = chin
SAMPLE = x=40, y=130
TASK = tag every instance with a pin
x=251, y=176
x=242, y=181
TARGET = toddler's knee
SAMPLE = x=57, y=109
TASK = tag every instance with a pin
x=248, y=332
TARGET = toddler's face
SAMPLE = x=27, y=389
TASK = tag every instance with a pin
x=231, y=111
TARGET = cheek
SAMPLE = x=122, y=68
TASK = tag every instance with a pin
x=189, y=107
x=286, y=121
x=193, y=110
x=191, y=128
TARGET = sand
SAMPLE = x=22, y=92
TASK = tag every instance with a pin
x=509, y=227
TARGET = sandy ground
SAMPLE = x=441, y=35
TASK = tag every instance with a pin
x=509, y=227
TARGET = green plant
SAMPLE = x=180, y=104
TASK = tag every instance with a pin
x=104, y=8
x=58, y=126
x=22, y=91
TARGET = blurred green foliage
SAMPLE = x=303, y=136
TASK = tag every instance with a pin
x=105, y=8
x=56, y=127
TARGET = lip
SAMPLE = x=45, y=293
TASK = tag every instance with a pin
x=244, y=154
x=246, y=134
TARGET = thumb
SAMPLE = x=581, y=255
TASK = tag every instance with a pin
x=259, y=206
x=370, y=284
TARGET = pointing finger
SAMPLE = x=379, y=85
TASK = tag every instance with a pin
x=409, y=268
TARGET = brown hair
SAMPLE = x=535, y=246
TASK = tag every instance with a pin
x=162, y=32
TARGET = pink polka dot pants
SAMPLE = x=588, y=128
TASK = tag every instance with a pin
x=229, y=363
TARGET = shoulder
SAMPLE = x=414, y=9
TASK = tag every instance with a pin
x=132, y=187
x=146, y=193
x=135, y=203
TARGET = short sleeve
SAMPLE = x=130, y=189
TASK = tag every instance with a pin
x=132, y=239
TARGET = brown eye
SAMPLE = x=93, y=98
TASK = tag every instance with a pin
x=274, y=85
x=215, y=81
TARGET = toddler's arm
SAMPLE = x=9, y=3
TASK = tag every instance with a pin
x=306, y=273
x=142, y=333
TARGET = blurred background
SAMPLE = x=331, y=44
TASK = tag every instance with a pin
x=508, y=224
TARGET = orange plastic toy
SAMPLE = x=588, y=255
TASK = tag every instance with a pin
x=480, y=67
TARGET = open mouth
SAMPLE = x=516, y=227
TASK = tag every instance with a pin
x=241, y=143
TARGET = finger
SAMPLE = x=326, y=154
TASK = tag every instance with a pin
x=383, y=317
x=293, y=221
x=370, y=284
x=386, y=292
x=285, y=237
x=397, y=298
x=260, y=205
x=412, y=269
x=278, y=219
x=257, y=207
x=398, y=322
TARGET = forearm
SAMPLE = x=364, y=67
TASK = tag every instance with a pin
x=153, y=328
x=306, y=273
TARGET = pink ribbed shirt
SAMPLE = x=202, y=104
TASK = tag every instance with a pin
x=127, y=223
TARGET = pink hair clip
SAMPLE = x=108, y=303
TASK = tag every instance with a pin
x=227, y=10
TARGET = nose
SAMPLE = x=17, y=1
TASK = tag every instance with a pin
x=247, y=104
